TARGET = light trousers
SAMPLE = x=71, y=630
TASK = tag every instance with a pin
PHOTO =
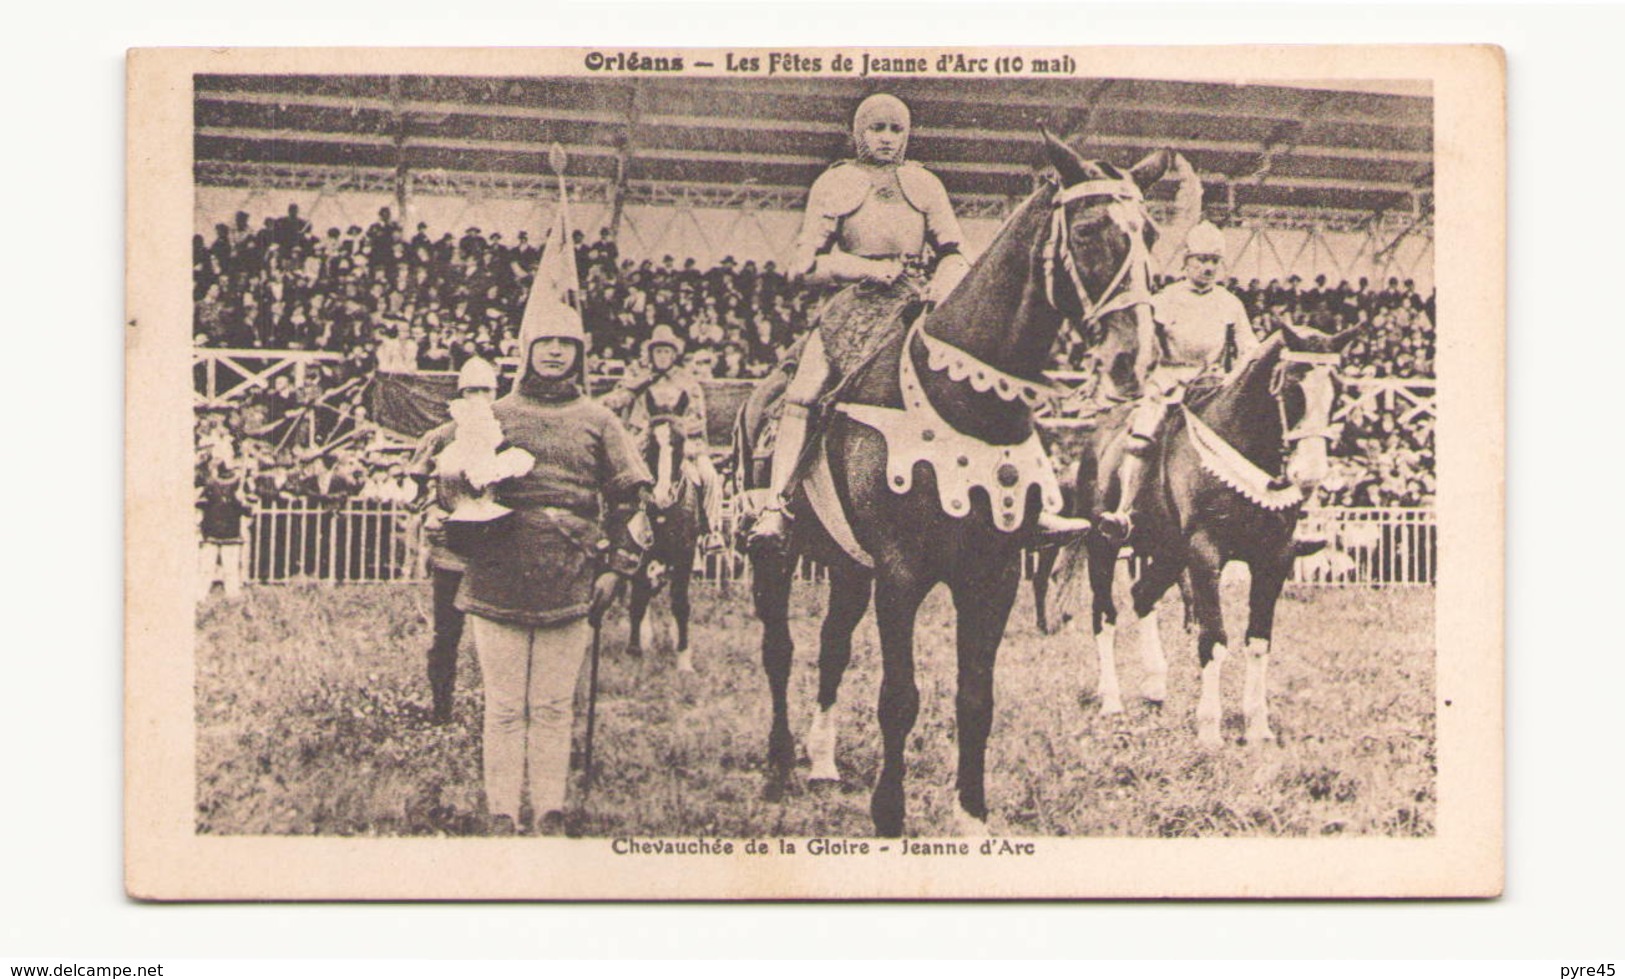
x=529, y=674
x=223, y=563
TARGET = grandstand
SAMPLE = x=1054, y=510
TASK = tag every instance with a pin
x=1306, y=180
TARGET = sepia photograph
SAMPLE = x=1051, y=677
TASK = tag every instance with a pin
x=826, y=473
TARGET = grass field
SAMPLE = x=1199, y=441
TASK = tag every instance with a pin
x=310, y=719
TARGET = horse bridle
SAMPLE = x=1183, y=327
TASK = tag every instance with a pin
x=1126, y=289
x=678, y=476
x=1289, y=434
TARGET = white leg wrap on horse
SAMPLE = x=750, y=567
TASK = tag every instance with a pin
x=821, y=747
x=1155, y=686
x=1210, y=710
x=1111, y=698
x=1255, y=692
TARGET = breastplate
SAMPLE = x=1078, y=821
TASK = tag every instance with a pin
x=1195, y=330
x=885, y=225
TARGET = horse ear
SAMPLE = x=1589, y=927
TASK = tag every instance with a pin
x=1307, y=338
x=1298, y=337
x=1064, y=159
x=1345, y=337
x=1151, y=169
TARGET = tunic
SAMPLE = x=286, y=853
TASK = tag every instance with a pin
x=539, y=569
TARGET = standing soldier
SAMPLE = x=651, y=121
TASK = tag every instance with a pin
x=552, y=568
x=1201, y=329
x=867, y=227
x=477, y=381
x=664, y=387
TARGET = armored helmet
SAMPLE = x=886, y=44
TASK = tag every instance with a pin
x=879, y=106
x=476, y=373
x=1204, y=239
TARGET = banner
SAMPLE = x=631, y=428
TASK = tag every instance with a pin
x=410, y=404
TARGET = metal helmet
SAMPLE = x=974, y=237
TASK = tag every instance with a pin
x=549, y=318
x=663, y=335
x=476, y=374
x=879, y=106
x=1204, y=239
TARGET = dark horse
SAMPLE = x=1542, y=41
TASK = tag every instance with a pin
x=1226, y=483
x=1078, y=252
x=674, y=518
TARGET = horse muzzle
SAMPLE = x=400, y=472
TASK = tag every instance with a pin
x=1307, y=466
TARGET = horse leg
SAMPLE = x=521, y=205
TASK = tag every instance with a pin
x=982, y=601
x=770, y=585
x=1212, y=645
x=1102, y=573
x=848, y=599
x=1046, y=567
x=1261, y=599
x=1159, y=575
x=897, y=601
x=681, y=574
x=637, y=606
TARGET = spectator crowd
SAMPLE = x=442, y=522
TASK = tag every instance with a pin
x=393, y=301
x=430, y=303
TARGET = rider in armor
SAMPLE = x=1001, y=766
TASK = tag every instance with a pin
x=1202, y=330
x=867, y=227
x=659, y=385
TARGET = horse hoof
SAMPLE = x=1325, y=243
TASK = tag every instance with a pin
x=1208, y=736
x=781, y=755
x=822, y=772
x=968, y=826
x=634, y=650
x=1111, y=707
x=887, y=812
x=1260, y=737
x=685, y=661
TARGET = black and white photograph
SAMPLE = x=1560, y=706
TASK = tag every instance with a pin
x=835, y=473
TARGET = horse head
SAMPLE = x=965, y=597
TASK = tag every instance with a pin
x=663, y=447
x=1097, y=258
x=1305, y=389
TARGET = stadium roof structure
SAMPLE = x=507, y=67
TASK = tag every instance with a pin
x=1362, y=148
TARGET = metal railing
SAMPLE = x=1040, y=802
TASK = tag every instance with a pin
x=1375, y=546
x=295, y=540
x=363, y=541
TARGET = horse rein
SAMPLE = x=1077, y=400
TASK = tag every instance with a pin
x=1126, y=290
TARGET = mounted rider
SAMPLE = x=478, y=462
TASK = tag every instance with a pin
x=867, y=227
x=1202, y=330
x=658, y=385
